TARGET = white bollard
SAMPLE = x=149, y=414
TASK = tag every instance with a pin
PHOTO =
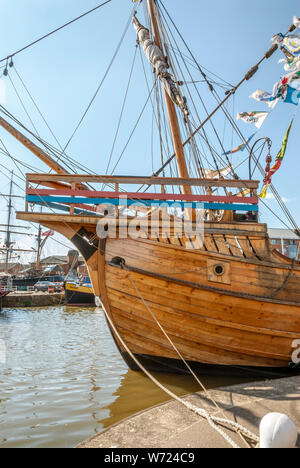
x=277, y=431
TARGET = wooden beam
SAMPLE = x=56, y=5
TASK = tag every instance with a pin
x=137, y=180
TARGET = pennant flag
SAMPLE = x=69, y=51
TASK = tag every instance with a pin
x=241, y=147
x=277, y=164
x=263, y=96
x=256, y=118
x=282, y=152
x=264, y=192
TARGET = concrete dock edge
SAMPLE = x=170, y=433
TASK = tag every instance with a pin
x=171, y=425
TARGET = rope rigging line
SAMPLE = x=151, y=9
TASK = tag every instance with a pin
x=53, y=32
x=154, y=108
x=122, y=110
x=273, y=189
x=132, y=132
x=221, y=105
x=49, y=148
x=23, y=105
x=193, y=143
x=214, y=421
x=201, y=99
x=230, y=93
x=181, y=357
x=36, y=106
x=102, y=81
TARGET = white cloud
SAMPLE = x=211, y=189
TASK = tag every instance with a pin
x=270, y=196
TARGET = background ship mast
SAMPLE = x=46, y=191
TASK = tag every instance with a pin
x=8, y=241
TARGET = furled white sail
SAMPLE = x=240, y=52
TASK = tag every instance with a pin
x=159, y=62
x=222, y=173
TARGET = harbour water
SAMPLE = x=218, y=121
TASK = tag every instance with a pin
x=62, y=378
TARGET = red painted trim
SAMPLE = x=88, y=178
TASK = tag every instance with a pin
x=143, y=196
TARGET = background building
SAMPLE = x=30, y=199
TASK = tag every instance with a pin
x=286, y=242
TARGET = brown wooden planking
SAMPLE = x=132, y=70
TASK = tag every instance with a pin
x=207, y=305
x=153, y=340
x=197, y=329
x=137, y=305
x=214, y=305
x=248, y=279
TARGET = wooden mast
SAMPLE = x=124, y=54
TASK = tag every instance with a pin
x=174, y=125
x=38, y=253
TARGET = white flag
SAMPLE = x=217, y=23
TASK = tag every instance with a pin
x=296, y=22
x=256, y=118
x=263, y=96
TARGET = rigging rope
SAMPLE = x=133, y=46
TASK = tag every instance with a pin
x=54, y=31
x=100, y=85
x=122, y=110
x=212, y=420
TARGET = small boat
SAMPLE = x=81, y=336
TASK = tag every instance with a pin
x=77, y=294
x=5, y=286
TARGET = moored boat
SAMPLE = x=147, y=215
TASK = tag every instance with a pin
x=79, y=294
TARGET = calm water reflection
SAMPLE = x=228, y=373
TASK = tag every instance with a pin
x=63, y=379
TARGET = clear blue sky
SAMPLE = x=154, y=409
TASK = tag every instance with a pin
x=63, y=71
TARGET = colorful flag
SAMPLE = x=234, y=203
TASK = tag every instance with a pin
x=264, y=96
x=287, y=88
x=48, y=233
x=292, y=44
x=277, y=164
x=292, y=64
x=278, y=39
x=241, y=147
x=292, y=96
x=256, y=118
x=292, y=78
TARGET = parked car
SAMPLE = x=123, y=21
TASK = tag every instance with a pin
x=45, y=286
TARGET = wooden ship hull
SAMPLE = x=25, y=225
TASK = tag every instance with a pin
x=229, y=301
x=233, y=303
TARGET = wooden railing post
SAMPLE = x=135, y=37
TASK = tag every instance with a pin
x=72, y=207
x=26, y=202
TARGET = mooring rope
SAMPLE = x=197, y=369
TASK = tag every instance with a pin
x=211, y=419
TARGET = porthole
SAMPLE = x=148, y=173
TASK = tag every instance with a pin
x=219, y=270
